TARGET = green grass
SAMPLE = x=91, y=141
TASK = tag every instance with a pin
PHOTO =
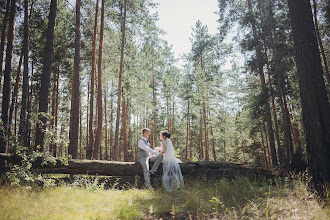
x=222, y=199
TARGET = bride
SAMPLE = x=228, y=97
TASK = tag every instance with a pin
x=172, y=177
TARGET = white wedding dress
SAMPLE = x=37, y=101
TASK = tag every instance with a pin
x=172, y=177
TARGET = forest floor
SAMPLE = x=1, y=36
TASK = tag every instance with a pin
x=241, y=198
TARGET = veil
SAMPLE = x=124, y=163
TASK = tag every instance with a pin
x=172, y=177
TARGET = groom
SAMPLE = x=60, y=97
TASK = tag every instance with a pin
x=146, y=154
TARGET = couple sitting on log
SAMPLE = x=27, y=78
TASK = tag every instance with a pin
x=172, y=177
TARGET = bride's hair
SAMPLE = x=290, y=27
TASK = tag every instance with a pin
x=166, y=134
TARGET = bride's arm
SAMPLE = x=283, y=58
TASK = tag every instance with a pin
x=163, y=148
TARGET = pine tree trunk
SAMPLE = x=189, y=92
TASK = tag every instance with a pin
x=207, y=156
x=106, y=127
x=224, y=145
x=201, y=151
x=289, y=126
x=89, y=150
x=279, y=147
x=75, y=110
x=264, y=148
x=314, y=100
x=123, y=28
x=23, y=126
x=7, y=78
x=45, y=77
x=111, y=124
x=52, y=123
x=124, y=127
x=187, y=136
x=98, y=135
x=13, y=104
x=213, y=142
x=87, y=119
x=154, y=109
x=263, y=86
x=80, y=133
x=168, y=112
x=319, y=39
x=3, y=36
x=56, y=111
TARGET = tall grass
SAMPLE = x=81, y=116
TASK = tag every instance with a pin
x=223, y=199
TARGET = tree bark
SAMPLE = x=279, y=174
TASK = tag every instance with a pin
x=213, y=142
x=80, y=133
x=263, y=86
x=56, y=110
x=201, y=151
x=111, y=124
x=264, y=148
x=124, y=126
x=314, y=100
x=45, y=77
x=279, y=147
x=75, y=110
x=154, y=110
x=187, y=135
x=319, y=39
x=207, y=156
x=3, y=36
x=98, y=136
x=106, y=127
x=116, y=147
x=23, y=126
x=13, y=104
x=7, y=78
x=89, y=150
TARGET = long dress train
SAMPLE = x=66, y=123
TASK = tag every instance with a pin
x=172, y=177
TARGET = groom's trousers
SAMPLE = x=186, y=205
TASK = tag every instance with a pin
x=144, y=161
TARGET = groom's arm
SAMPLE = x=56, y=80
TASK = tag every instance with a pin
x=146, y=148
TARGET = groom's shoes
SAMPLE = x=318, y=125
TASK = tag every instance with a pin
x=152, y=173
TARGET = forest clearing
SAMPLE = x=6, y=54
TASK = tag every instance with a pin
x=113, y=110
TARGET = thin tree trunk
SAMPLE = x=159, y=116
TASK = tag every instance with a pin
x=267, y=147
x=187, y=136
x=154, y=109
x=106, y=127
x=213, y=142
x=7, y=78
x=3, y=36
x=80, y=133
x=263, y=85
x=56, y=110
x=13, y=104
x=319, y=39
x=207, y=157
x=23, y=126
x=124, y=127
x=111, y=124
x=264, y=147
x=167, y=113
x=99, y=88
x=224, y=144
x=87, y=119
x=89, y=150
x=287, y=116
x=201, y=152
x=45, y=77
x=75, y=110
x=279, y=148
x=116, y=147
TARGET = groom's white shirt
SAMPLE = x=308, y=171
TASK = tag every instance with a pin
x=145, y=147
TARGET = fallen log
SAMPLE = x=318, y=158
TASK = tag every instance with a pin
x=208, y=169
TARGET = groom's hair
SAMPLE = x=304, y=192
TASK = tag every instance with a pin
x=145, y=130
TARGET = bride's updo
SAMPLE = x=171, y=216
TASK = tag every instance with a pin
x=165, y=134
